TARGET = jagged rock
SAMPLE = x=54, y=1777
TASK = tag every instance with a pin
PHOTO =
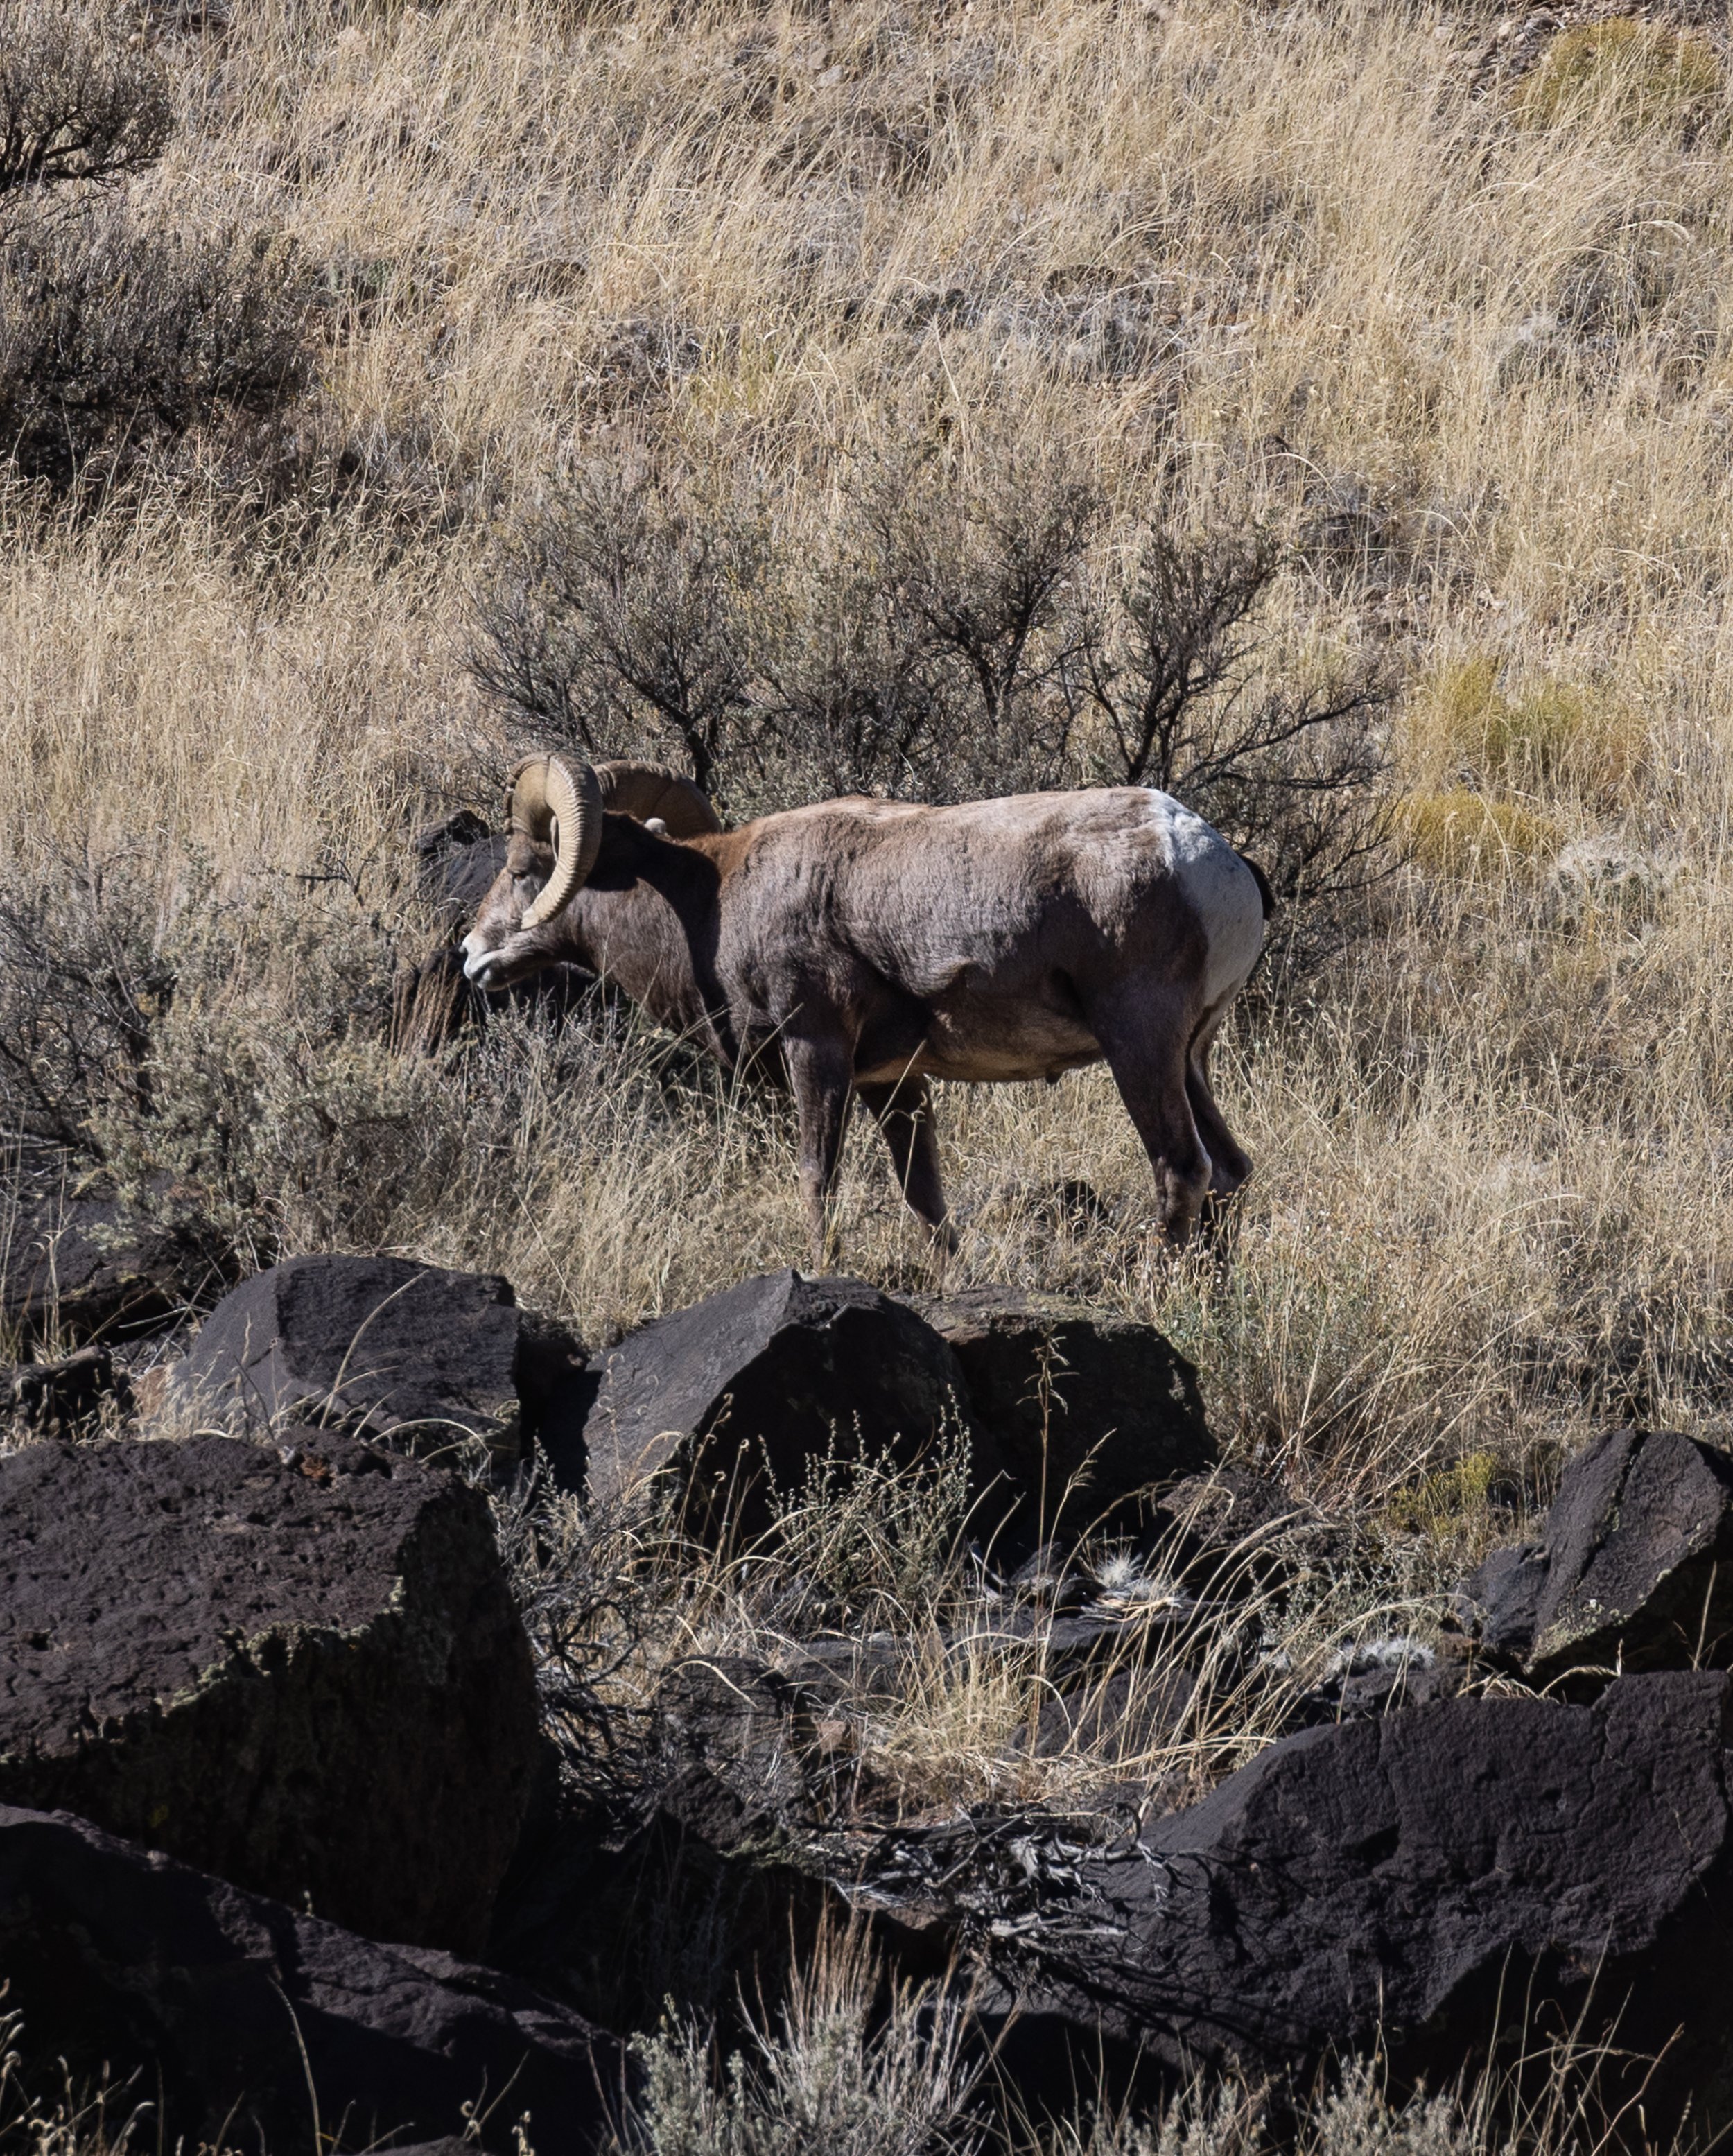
x=54, y=1398
x=731, y=1732
x=1383, y=1676
x=1120, y=1718
x=300, y=1669
x=121, y=1959
x=377, y=1345
x=1091, y=1411
x=457, y=862
x=1499, y=1604
x=1231, y=1532
x=849, y=1666
x=777, y=1373
x=1634, y=1569
x=707, y=1873
x=1400, y=1882
x=433, y=1003
x=82, y=1267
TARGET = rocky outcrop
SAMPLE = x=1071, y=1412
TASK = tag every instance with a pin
x=1092, y=1412
x=1634, y=1571
x=56, y=1399
x=752, y=1387
x=1075, y=1415
x=253, y=2026
x=432, y=1002
x=377, y=1345
x=1421, y=1882
x=302, y=1669
x=705, y=1872
x=88, y=1266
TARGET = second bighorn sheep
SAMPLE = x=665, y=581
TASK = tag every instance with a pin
x=869, y=946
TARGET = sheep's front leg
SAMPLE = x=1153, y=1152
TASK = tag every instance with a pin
x=903, y=1112
x=821, y=1071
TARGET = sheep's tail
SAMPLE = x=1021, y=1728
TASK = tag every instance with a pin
x=1264, y=892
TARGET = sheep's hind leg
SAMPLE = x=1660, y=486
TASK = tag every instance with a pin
x=1230, y=1166
x=1145, y=1036
x=821, y=1073
x=903, y=1112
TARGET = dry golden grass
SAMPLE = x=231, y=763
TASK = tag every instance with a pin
x=1293, y=260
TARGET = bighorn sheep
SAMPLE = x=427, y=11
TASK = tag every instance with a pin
x=869, y=946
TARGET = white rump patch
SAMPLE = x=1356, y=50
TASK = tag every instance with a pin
x=1218, y=887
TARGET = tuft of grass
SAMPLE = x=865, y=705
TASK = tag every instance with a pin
x=1541, y=740
x=1461, y=834
x=104, y=2120
x=843, y=2067
x=1649, y=75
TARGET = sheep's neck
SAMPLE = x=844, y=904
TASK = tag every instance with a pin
x=655, y=938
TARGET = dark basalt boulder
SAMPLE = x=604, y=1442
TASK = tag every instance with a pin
x=708, y=1872
x=88, y=1266
x=1092, y=1412
x=457, y=863
x=1634, y=1569
x=1427, y=1882
x=54, y=1400
x=1231, y=1533
x=1384, y=1676
x=432, y=1002
x=775, y=1374
x=1119, y=1718
x=123, y=1960
x=300, y=1669
x=377, y=1345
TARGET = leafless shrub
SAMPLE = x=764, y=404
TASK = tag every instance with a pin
x=902, y=650
x=1294, y=770
x=115, y=339
x=849, y=698
x=933, y=641
x=989, y=560
x=615, y=620
x=918, y=653
x=83, y=980
x=1174, y=632
x=81, y=98
x=592, y=1603
x=130, y=1042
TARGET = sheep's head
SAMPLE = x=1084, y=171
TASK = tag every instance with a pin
x=554, y=813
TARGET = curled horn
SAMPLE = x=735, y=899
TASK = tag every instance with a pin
x=546, y=802
x=644, y=790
